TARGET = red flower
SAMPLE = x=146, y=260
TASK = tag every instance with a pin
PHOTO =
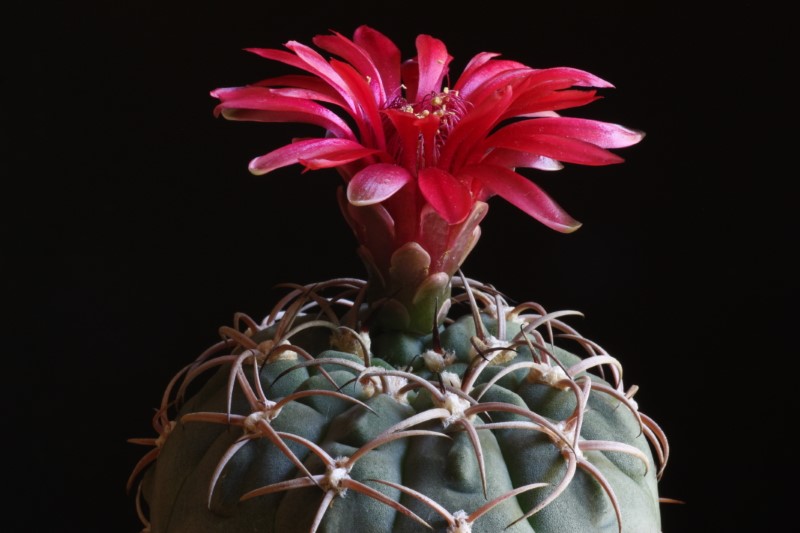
x=420, y=158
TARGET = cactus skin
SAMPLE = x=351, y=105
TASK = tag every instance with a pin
x=515, y=432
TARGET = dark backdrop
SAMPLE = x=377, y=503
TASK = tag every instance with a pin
x=132, y=229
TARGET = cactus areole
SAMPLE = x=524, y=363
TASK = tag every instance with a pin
x=419, y=399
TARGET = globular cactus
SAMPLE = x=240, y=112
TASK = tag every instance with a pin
x=311, y=423
x=419, y=399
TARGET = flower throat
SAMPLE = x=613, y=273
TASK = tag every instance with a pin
x=435, y=114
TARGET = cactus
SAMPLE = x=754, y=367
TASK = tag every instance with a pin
x=419, y=399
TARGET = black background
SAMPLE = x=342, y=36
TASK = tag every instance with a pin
x=132, y=230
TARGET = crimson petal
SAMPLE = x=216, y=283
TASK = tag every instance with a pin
x=477, y=61
x=512, y=159
x=357, y=57
x=316, y=64
x=433, y=60
x=385, y=55
x=488, y=77
x=312, y=152
x=366, y=107
x=472, y=130
x=281, y=56
x=262, y=105
x=563, y=77
x=524, y=194
x=555, y=147
x=602, y=134
x=534, y=102
x=376, y=183
x=448, y=196
x=302, y=86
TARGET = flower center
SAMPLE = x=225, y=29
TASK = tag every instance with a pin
x=447, y=106
x=437, y=113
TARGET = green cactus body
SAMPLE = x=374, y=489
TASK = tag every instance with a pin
x=483, y=429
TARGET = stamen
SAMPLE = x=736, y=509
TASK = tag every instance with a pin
x=446, y=106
